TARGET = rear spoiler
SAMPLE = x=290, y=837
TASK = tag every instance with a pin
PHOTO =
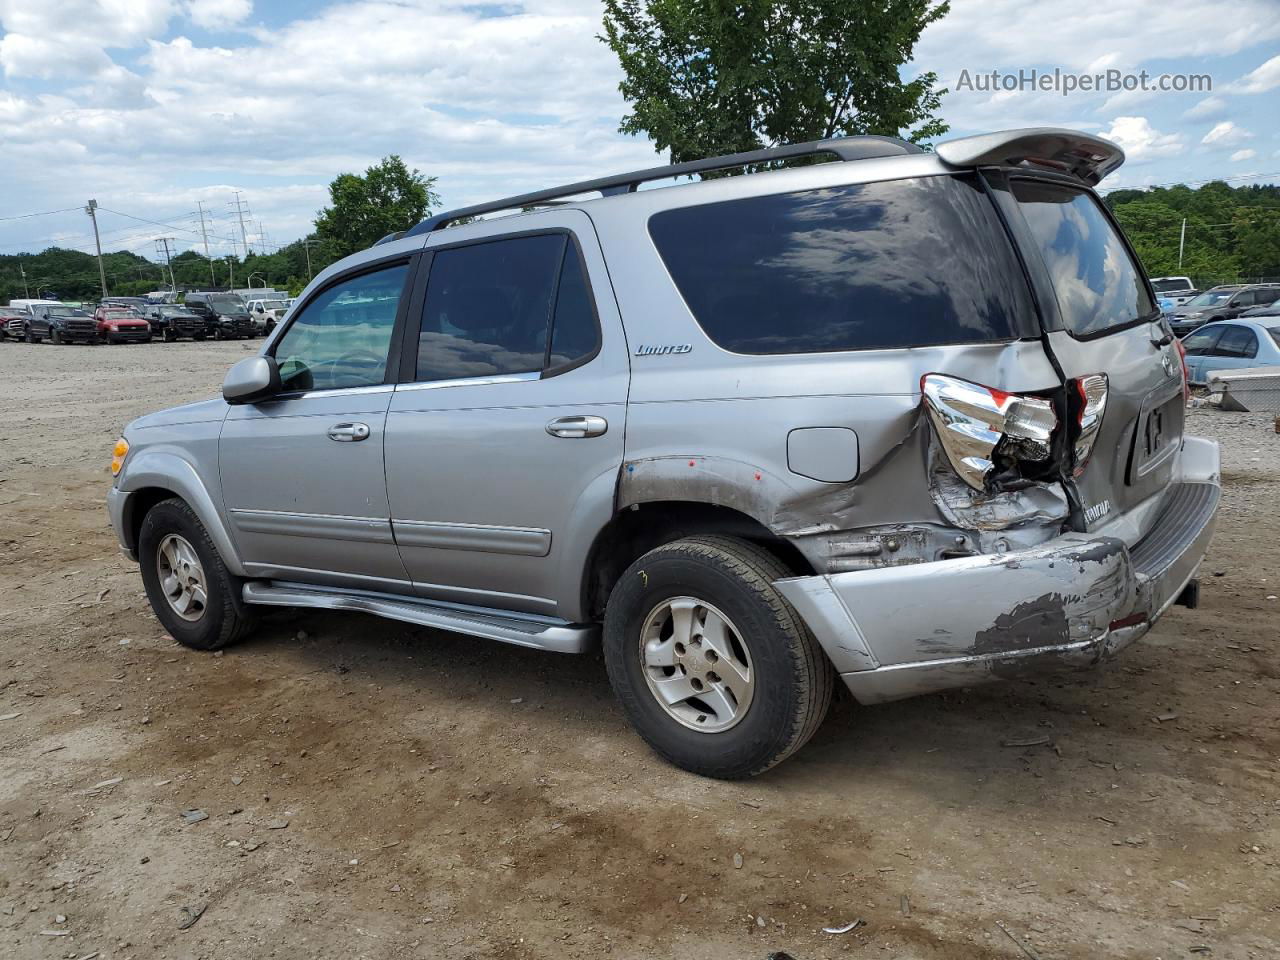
x=1087, y=157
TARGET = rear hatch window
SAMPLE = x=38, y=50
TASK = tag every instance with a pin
x=1099, y=286
x=901, y=263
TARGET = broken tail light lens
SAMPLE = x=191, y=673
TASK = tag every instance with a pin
x=980, y=427
x=1093, y=404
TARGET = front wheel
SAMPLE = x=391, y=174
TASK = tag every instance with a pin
x=194, y=596
x=711, y=665
x=55, y=336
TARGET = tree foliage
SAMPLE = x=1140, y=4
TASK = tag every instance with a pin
x=1232, y=233
x=389, y=197
x=708, y=77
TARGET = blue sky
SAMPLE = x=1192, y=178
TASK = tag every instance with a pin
x=153, y=106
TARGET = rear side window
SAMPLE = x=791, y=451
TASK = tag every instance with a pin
x=519, y=305
x=1099, y=287
x=902, y=263
x=1237, y=342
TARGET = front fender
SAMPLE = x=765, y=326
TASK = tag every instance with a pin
x=167, y=470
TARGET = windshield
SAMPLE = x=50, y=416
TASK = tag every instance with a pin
x=272, y=304
x=227, y=304
x=65, y=312
x=1212, y=298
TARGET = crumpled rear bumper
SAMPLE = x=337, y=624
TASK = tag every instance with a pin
x=895, y=632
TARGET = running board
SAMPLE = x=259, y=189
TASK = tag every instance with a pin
x=524, y=630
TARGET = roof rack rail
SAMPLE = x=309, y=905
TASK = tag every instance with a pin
x=843, y=148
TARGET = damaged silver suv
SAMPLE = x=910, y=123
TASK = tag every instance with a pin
x=908, y=419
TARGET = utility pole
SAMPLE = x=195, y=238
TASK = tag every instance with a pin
x=25, y=291
x=204, y=233
x=306, y=245
x=1182, y=242
x=92, y=211
x=231, y=272
x=241, y=206
x=169, y=263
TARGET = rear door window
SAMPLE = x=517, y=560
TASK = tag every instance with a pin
x=1236, y=342
x=900, y=263
x=507, y=306
x=1098, y=284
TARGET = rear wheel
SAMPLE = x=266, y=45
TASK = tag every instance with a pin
x=194, y=596
x=712, y=666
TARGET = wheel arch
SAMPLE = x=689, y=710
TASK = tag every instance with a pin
x=640, y=527
x=156, y=476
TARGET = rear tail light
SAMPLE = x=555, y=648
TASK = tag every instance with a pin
x=1093, y=403
x=984, y=430
x=1186, y=374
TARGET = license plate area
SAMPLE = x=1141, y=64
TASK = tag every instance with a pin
x=1157, y=436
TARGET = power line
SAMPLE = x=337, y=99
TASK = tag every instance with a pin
x=44, y=213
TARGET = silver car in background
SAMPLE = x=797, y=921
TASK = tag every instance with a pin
x=910, y=420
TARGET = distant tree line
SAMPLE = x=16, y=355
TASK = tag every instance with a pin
x=363, y=209
x=1233, y=233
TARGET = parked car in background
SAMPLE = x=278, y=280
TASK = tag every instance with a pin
x=59, y=323
x=137, y=304
x=1271, y=309
x=1221, y=303
x=118, y=324
x=1231, y=345
x=266, y=314
x=656, y=416
x=11, y=323
x=225, y=315
x=1177, y=289
x=174, y=321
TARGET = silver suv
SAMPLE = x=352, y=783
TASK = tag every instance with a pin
x=907, y=419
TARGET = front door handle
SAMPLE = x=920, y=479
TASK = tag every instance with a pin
x=575, y=428
x=349, y=432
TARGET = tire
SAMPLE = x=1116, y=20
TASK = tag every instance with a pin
x=169, y=336
x=791, y=676
x=29, y=336
x=224, y=617
x=55, y=336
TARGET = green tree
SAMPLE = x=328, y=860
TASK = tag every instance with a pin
x=707, y=77
x=389, y=197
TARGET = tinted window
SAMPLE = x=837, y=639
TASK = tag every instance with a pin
x=1201, y=342
x=1097, y=283
x=490, y=308
x=1237, y=342
x=1275, y=334
x=1165, y=286
x=878, y=265
x=342, y=337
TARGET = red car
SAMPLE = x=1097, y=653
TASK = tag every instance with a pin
x=121, y=325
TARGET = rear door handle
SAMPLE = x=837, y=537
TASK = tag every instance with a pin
x=349, y=432
x=575, y=428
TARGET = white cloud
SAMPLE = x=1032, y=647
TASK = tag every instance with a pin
x=1266, y=77
x=1241, y=155
x=1210, y=108
x=1226, y=134
x=217, y=14
x=1142, y=142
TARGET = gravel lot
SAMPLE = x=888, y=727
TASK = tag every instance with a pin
x=377, y=790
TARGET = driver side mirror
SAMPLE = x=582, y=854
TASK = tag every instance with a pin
x=251, y=380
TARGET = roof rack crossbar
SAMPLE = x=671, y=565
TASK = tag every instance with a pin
x=843, y=148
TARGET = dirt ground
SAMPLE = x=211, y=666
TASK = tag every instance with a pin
x=377, y=790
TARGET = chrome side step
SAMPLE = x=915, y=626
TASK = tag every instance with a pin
x=524, y=630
